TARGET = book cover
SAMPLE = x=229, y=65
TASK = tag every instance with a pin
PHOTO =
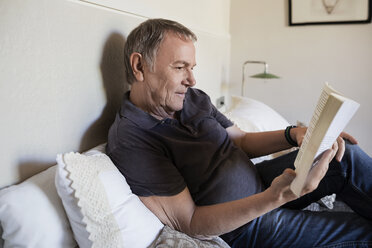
x=332, y=113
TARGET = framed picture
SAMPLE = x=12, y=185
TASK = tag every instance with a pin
x=315, y=12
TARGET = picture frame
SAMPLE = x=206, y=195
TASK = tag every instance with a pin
x=320, y=12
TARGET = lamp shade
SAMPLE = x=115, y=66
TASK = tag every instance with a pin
x=264, y=75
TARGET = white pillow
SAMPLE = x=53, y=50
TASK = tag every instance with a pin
x=32, y=215
x=102, y=210
x=254, y=116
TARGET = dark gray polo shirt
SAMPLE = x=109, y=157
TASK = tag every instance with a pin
x=162, y=157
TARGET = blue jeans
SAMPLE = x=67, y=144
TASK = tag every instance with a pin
x=289, y=226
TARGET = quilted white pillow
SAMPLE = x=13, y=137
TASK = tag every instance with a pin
x=32, y=215
x=101, y=208
x=254, y=116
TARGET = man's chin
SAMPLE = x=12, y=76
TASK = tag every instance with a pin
x=177, y=107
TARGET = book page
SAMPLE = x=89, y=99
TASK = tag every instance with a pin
x=338, y=124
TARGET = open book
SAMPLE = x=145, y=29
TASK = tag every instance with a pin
x=331, y=115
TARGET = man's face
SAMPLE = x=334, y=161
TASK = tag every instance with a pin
x=172, y=73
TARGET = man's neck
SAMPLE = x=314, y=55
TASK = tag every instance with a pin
x=143, y=101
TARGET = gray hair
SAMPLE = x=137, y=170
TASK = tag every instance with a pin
x=146, y=38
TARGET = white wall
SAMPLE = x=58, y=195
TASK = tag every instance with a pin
x=210, y=16
x=61, y=77
x=305, y=57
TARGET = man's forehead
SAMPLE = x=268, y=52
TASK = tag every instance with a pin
x=174, y=38
x=177, y=48
x=174, y=34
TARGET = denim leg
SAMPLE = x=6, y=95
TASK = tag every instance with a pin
x=270, y=169
x=288, y=226
x=296, y=228
x=357, y=192
x=351, y=180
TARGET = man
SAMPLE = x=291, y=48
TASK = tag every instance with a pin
x=190, y=165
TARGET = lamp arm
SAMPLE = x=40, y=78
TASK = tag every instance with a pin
x=243, y=69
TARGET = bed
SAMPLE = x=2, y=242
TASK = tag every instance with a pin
x=68, y=205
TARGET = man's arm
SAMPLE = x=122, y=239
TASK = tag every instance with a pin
x=181, y=213
x=263, y=143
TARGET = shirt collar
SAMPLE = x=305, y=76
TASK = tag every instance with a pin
x=137, y=115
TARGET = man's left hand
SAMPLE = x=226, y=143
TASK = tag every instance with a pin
x=299, y=134
x=341, y=144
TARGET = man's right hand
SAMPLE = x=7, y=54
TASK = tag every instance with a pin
x=280, y=187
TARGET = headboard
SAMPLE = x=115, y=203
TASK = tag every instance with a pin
x=61, y=72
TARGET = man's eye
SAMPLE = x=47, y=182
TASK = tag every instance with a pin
x=179, y=68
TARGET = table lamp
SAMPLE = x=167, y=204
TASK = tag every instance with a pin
x=264, y=75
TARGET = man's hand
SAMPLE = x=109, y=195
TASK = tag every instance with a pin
x=341, y=144
x=298, y=134
x=280, y=187
x=319, y=170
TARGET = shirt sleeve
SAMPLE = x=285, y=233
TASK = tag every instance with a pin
x=146, y=168
x=221, y=118
x=203, y=99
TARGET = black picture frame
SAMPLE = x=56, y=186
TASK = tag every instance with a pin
x=315, y=12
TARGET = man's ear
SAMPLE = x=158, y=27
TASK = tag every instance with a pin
x=136, y=62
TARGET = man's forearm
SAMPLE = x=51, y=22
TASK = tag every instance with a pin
x=225, y=217
x=263, y=143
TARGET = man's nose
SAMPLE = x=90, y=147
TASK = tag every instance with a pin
x=190, y=79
